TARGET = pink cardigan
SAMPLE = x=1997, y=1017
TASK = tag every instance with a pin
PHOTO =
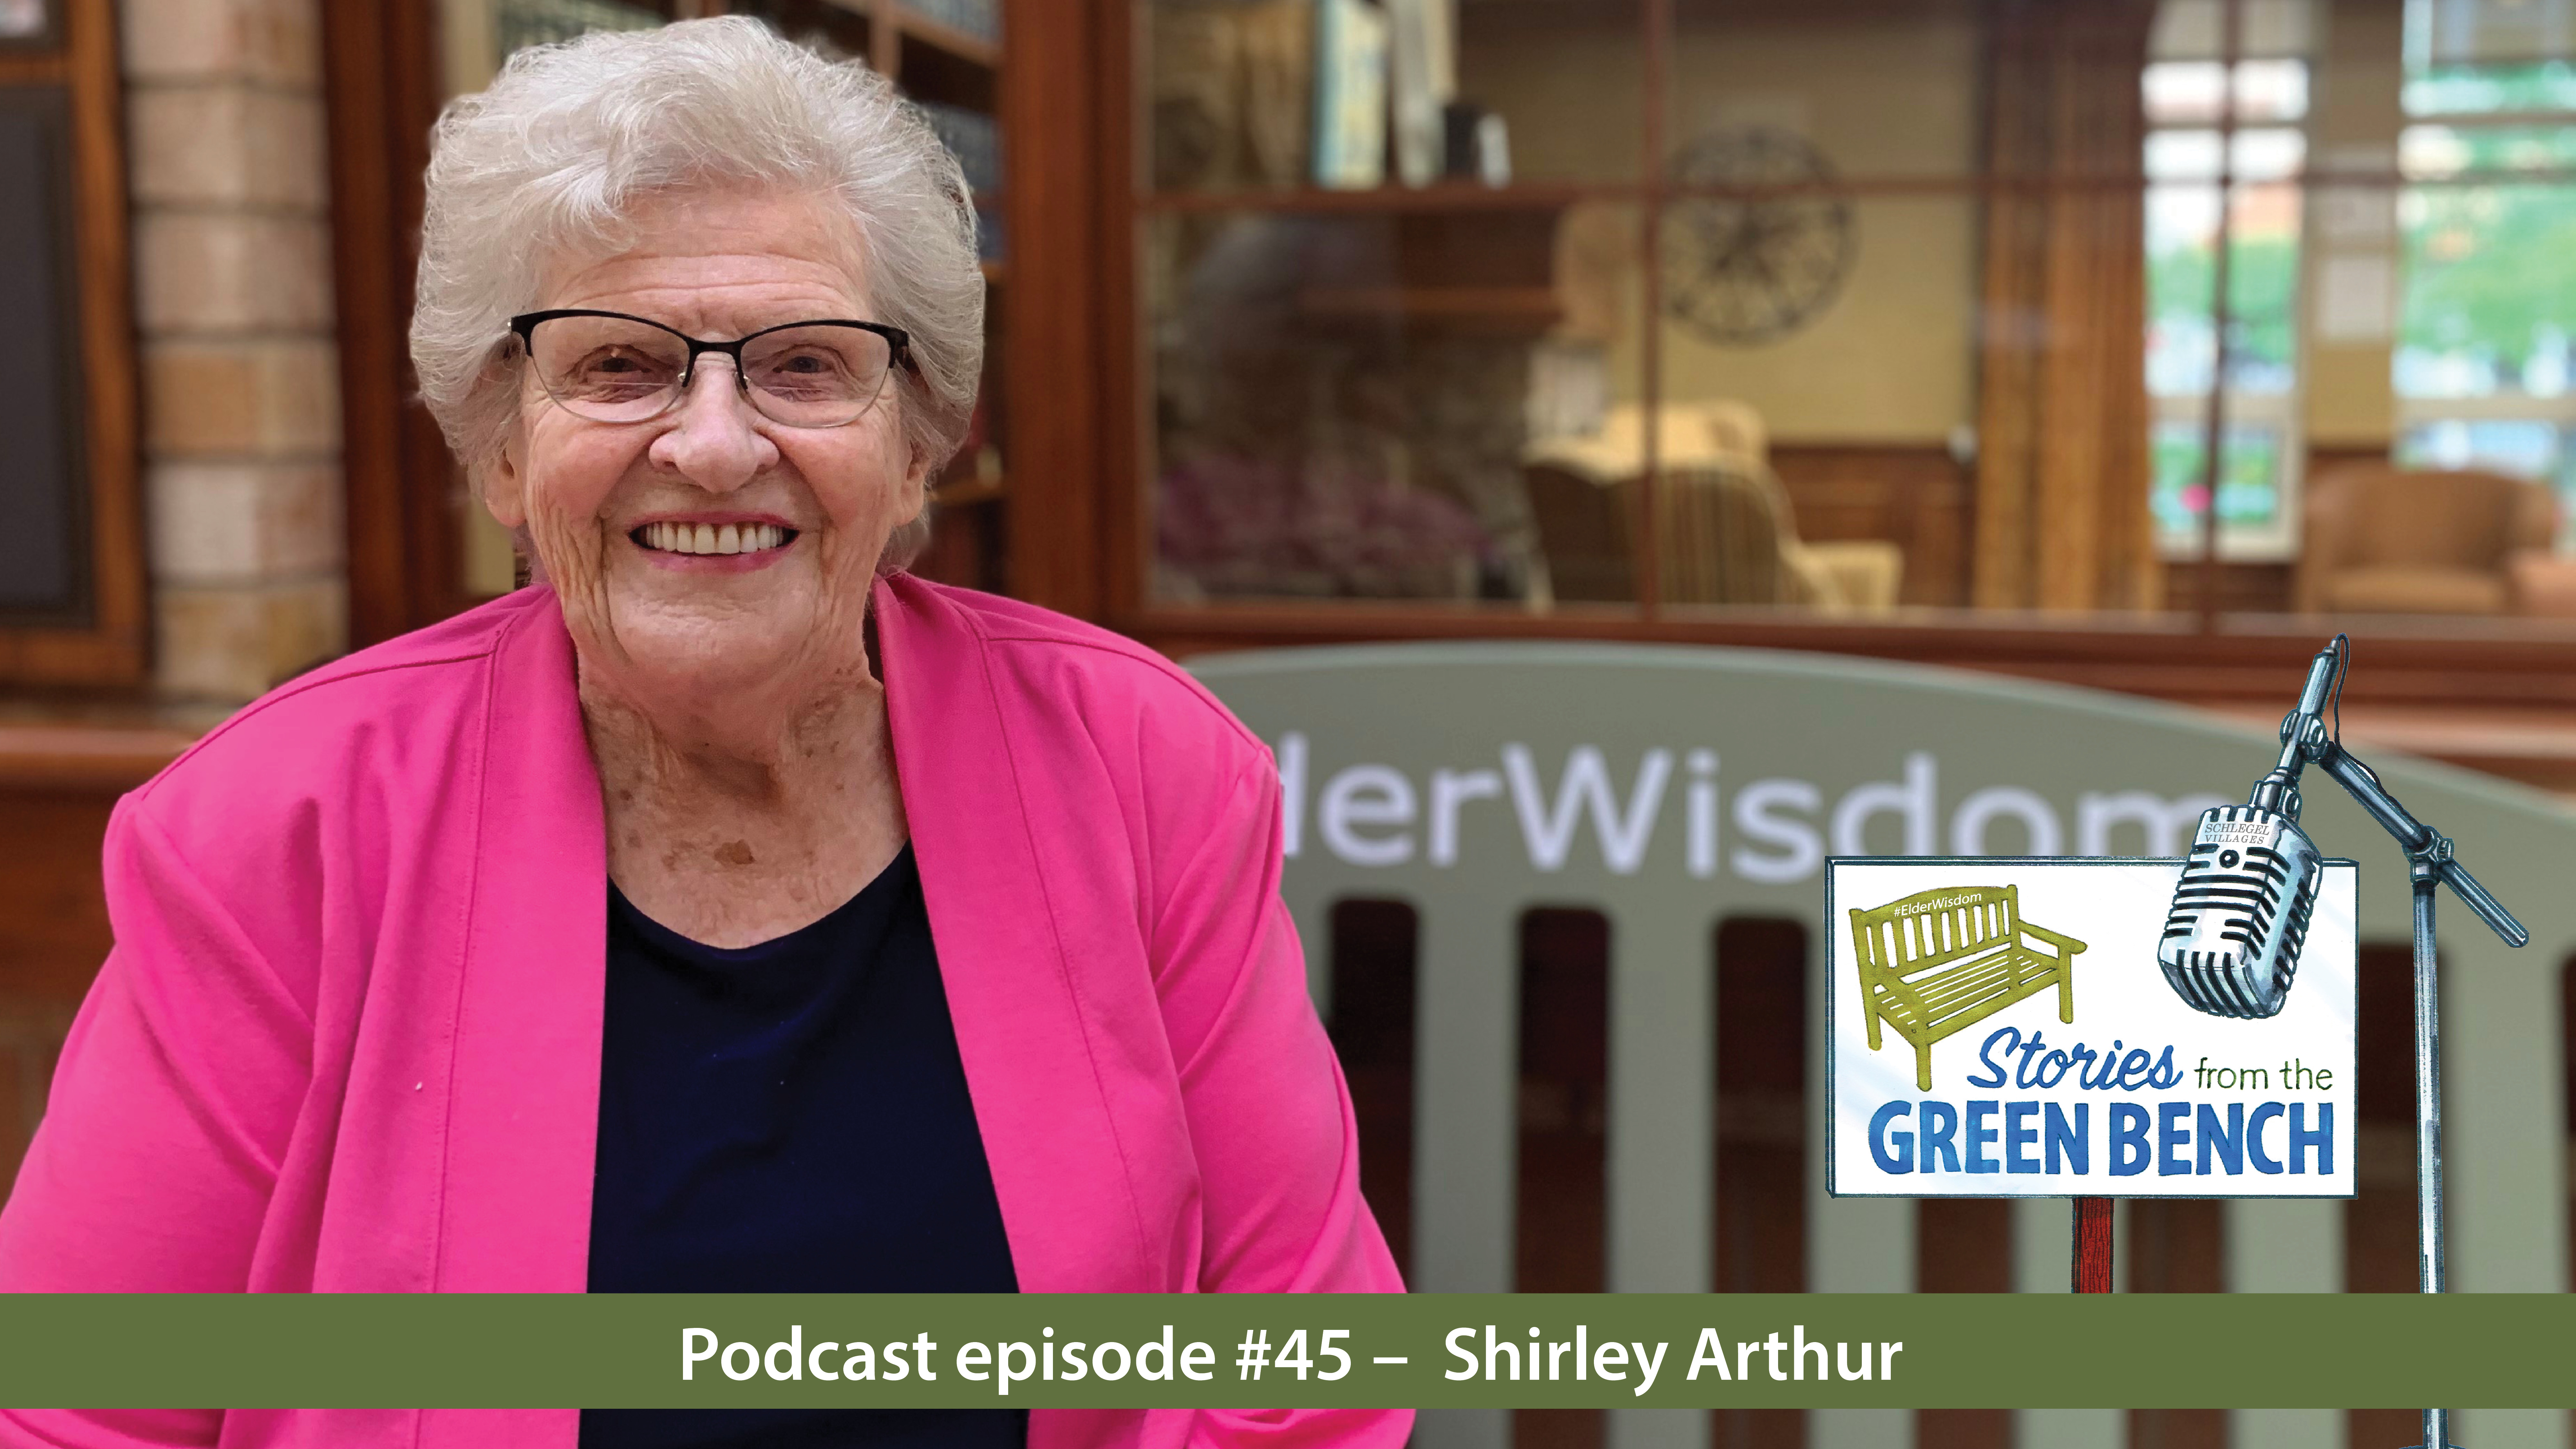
x=348, y=1040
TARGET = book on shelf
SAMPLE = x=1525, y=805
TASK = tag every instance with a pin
x=974, y=138
x=1350, y=94
x=1422, y=74
x=974, y=19
x=1232, y=90
x=1277, y=58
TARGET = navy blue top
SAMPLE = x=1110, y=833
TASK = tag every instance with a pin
x=791, y=1117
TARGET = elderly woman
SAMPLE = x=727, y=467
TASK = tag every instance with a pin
x=732, y=911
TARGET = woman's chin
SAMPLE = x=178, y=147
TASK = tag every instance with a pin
x=700, y=682
x=703, y=656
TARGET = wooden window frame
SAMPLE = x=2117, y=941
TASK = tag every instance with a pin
x=112, y=649
x=1082, y=535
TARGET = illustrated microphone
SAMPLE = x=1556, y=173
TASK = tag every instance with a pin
x=2240, y=913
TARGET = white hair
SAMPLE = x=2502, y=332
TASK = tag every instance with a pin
x=549, y=161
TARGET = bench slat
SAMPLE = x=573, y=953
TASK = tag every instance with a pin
x=1964, y=985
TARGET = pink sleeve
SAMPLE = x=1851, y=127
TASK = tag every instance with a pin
x=170, y=1112
x=1270, y=1119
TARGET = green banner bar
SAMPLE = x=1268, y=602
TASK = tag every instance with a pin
x=1243, y=1351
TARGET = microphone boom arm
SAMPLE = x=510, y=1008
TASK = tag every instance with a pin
x=2305, y=741
x=2426, y=847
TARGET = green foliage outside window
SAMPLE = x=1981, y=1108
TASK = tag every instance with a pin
x=2491, y=270
x=2262, y=294
x=2246, y=496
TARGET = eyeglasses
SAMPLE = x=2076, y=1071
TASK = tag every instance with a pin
x=612, y=368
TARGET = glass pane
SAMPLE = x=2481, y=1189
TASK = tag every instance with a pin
x=2196, y=29
x=1353, y=95
x=2435, y=153
x=2262, y=288
x=43, y=490
x=2465, y=90
x=2188, y=92
x=1893, y=88
x=2449, y=33
x=2488, y=302
x=2182, y=227
x=1353, y=406
x=2250, y=489
x=1815, y=417
x=522, y=23
x=2263, y=154
x=21, y=19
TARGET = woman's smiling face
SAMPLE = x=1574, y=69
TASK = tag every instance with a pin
x=613, y=508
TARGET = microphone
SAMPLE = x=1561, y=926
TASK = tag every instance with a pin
x=2240, y=912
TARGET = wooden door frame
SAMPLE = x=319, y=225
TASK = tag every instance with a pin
x=381, y=93
x=1061, y=365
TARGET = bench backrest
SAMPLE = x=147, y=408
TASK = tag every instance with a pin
x=1935, y=928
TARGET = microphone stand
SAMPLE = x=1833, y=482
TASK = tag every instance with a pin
x=2305, y=741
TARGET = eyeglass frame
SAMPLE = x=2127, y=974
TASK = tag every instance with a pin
x=898, y=343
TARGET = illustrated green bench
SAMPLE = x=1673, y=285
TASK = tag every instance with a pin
x=1939, y=961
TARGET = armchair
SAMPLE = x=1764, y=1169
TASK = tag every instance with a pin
x=2386, y=540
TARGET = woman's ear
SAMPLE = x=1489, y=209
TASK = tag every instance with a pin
x=501, y=482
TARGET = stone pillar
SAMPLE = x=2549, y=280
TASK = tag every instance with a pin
x=232, y=277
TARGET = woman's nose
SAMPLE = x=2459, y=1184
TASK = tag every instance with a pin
x=712, y=440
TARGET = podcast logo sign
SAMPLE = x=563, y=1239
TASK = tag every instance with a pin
x=2001, y=1028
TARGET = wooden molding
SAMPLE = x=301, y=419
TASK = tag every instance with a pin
x=1062, y=363
x=86, y=758
x=2258, y=658
x=381, y=93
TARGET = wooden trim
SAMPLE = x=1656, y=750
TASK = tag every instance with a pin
x=1053, y=348
x=108, y=759
x=2252, y=658
x=381, y=91
x=1646, y=554
x=1468, y=196
x=114, y=649
x=30, y=67
x=1440, y=196
x=1123, y=502
x=47, y=38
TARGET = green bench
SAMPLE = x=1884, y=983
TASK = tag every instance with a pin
x=1940, y=961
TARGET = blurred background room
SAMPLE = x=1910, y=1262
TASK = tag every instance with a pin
x=2137, y=345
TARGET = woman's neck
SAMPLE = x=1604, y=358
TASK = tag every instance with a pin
x=734, y=820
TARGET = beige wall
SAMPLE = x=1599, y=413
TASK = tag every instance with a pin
x=1892, y=358
x=2352, y=232
x=1567, y=88
x=232, y=261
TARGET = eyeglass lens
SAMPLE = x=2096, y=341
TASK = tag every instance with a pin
x=613, y=370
